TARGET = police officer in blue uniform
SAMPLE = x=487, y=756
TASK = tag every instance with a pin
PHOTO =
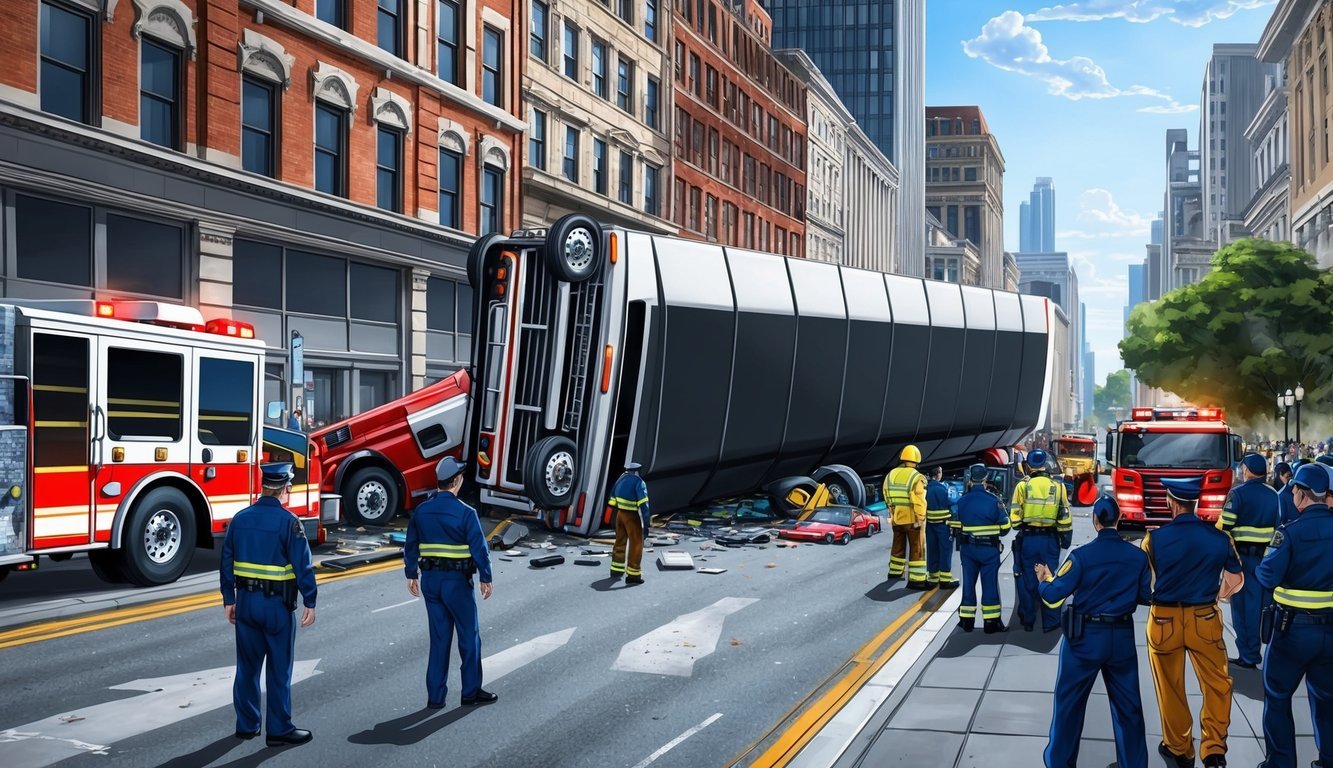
x=1109, y=578
x=1187, y=557
x=1287, y=511
x=1299, y=626
x=982, y=522
x=265, y=562
x=445, y=540
x=1250, y=515
x=939, y=532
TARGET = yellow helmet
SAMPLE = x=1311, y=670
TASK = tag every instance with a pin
x=910, y=453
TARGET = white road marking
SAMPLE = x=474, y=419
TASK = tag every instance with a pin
x=672, y=649
x=169, y=700
x=396, y=605
x=670, y=745
x=500, y=664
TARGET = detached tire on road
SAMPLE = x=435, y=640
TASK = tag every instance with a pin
x=844, y=485
x=549, y=471
x=370, y=497
x=158, y=540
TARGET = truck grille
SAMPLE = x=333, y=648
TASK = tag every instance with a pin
x=337, y=437
x=1155, y=509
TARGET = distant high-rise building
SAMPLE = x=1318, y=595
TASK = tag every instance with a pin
x=874, y=56
x=1052, y=276
x=1230, y=97
x=1089, y=368
x=1025, y=227
x=1138, y=288
x=1038, y=227
x=1187, y=243
x=965, y=184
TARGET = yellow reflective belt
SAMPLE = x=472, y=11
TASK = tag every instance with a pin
x=626, y=504
x=938, y=515
x=453, y=551
x=1247, y=534
x=982, y=530
x=1306, y=599
x=264, y=572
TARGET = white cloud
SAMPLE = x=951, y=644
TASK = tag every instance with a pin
x=1007, y=43
x=1098, y=207
x=1191, y=13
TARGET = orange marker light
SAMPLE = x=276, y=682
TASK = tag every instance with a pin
x=501, y=273
x=606, y=368
x=614, y=245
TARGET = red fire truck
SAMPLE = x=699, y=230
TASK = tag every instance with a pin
x=1170, y=442
x=376, y=461
x=132, y=431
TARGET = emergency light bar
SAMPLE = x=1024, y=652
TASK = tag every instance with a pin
x=1176, y=414
x=150, y=312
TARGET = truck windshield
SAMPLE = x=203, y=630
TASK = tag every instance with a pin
x=1174, y=450
x=1077, y=450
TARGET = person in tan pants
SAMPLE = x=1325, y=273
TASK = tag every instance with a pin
x=630, y=500
x=1186, y=556
x=905, y=495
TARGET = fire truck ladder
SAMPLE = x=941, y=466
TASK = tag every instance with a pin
x=583, y=331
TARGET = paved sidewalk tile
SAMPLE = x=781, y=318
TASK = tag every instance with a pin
x=936, y=709
x=1025, y=673
x=966, y=672
x=1019, y=713
x=986, y=750
x=914, y=748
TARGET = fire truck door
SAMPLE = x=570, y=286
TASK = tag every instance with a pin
x=63, y=369
x=138, y=418
x=223, y=444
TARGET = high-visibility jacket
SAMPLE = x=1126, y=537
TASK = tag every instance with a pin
x=630, y=494
x=905, y=495
x=1040, y=502
x=1251, y=513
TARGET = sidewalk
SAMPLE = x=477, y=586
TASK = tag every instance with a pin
x=950, y=698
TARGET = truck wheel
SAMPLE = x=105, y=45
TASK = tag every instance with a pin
x=476, y=259
x=844, y=485
x=106, y=565
x=159, y=538
x=549, y=472
x=371, y=497
x=574, y=248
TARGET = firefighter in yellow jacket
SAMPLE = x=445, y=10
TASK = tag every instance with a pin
x=1040, y=513
x=905, y=495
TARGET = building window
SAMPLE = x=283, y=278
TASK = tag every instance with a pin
x=451, y=185
x=626, y=187
x=695, y=194
x=599, y=166
x=651, y=104
x=695, y=83
x=390, y=19
x=322, y=287
x=446, y=41
x=680, y=62
x=970, y=174
x=625, y=84
x=972, y=224
x=490, y=67
x=388, y=165
x=330, y=149
x=331, y=12
x=492, y=200
x=537, y=140
x=599, y=69
x=259, y=124
x=537, y=35
x=625, y=10
x=144, y=256
x=570, y=168
x=710, y=85
x=54, y=241
x=650, y=19
x=69, y=60
x=160, y=94
x=571, y=51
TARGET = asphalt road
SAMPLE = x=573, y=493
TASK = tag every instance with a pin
x=618, y=673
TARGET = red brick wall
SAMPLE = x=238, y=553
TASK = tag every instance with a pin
x=18, y=41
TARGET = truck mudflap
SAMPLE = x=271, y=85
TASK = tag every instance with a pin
x=330, y=508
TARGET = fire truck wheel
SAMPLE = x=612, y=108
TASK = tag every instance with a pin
x=106, y=565
x=549, y=472
x=371, y=497
x=574, y=248
x=159, y=538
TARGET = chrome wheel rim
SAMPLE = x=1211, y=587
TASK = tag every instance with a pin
x=578, y=249
x=162, y=536
x=559, y=473
x=371, y=499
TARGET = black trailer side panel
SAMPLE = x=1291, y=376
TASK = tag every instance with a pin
x=821, y=364
x=978, y=364
x=907, y=373
x=1033, y=383
x=761, y=376
x=945, y=368
x=869, y=341
x=1004, y=375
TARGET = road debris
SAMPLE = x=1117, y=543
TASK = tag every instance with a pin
x=587, y=561
x=712, y=570
x=676, y=560
x=547, y=561
x=771, y=565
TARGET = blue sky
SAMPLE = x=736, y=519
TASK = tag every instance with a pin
x=1084, y=92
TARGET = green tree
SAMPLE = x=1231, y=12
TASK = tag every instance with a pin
x=1260, y=322
x=1110, y=396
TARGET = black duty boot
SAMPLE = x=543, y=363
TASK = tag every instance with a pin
x=967, y=624
x=1215, y=761
x=949, y=585
x=995, y=625
x=1174, y=759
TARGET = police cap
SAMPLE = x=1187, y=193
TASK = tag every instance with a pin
x=1256, y=464
x=633, y=466
x=1184, y=488
x=277, y=475
x=1281, y=468
x=448, y=469
x=1106, y=511
x=1325, y=459
x=977, y=473
x=1313, y=478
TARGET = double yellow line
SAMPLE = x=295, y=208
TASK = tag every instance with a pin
x=855, y=673
x=115, y=617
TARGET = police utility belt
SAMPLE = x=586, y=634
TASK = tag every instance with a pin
x=286, y=589
x=981, y=541
x=453, y=564
x=1277, y=619
x=1251, y=550
x=1074, y=623
x=1039, y=530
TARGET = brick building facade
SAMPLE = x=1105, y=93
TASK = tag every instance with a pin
x=311, y=166
x=740, y=130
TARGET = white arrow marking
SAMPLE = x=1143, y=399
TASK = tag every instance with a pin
x=500, y=664
x=672, y=649
x=95, y=729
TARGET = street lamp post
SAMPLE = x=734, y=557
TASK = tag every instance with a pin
x=1300, y=395
x=1284, y=402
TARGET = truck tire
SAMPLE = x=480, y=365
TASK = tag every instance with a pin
x=844, y=485
x=370, y=497
x=574, y=248
x=549, y=471
x=158, y=538
x=106, y=566
x=476, y=259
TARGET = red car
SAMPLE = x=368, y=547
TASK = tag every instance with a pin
x=834, y=523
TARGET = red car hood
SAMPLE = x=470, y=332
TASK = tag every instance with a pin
x=818, y=529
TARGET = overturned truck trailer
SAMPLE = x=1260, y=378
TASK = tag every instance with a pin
x=722, y=370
